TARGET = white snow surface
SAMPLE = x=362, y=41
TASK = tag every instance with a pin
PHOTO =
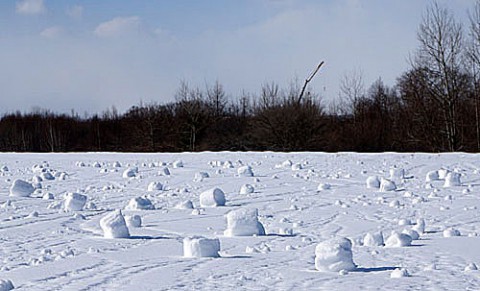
x=61, y=250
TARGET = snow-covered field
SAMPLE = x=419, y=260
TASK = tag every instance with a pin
x=67, y=234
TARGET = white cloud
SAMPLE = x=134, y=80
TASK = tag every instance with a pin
x=118, y=26
x=75, y=12
x=30, y=7
x=52, y=32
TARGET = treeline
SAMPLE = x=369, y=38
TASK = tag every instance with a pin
x=434, y=106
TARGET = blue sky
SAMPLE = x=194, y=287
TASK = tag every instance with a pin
x=89, y=55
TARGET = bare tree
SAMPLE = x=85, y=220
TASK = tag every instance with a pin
x=473, y=61
x=440, y=56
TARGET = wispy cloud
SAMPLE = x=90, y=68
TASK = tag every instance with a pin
x=75, y=12
x=118, y=26
x=30, y=7
x=52, y=32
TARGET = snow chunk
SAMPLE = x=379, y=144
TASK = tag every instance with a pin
x=245, y=171
x=198, y=247
x=212, y=198
x=133, y=220
x=21, y=188
x=373, y=239
x=397, y=240
x=6, y=285
x=154, y=186
x=399, y=273
x=452, y=179
x=48, y=196
x=334, y=255
x=199, y=176
x=387, y=185
x=243, y=222
x=449, y=232
x=75, y=201
x=412, y=233
x=420, y=226
x=139, y=203
x=442, y=174
x=114, y=225
x=247, y=189
x=130, y=173
x=373, y=182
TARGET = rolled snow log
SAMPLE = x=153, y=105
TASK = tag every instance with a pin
x=432, y=176
x=187, y=204
x=420, y=226
x=387, y=185
x=130, y=172
x=164, y=172
x=139, y=203
x=243, y=222
x=412, y=233
x=452, y=179
x=399, y=273
x=212, y=198
x=199, y=247
x=47, y=176
x=114, y=225
x=442, y=174
x=373, y=182
x=397, y=240
x=6, y=285
x=373, y=239
x=334, y=255
x=154, y=186
x=21, y=188
x=133, y=220
x=75, y=201
x=323, y=187
x=449, y=232
x=177, y=164
x=245, y=171
x=199, y=176
x=247, y=189
x=397, y=174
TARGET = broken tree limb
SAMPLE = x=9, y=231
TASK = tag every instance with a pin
x=308, y=81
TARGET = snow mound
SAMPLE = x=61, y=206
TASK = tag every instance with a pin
x=452, y=179
x=139, y=203
x=154, y=186
x=243, y=222
x=133, y=220
x=373, y=182
x=334, y=255
x=449, y=232
x=130, y=173
x=399, y=273
x=247, y=189
x=6, y=285
x=387, y=185
x=21, y=188
x=212, y=198
x=432, y=176
x=114, y=225
x=397, y=240
x=373, y=239
x=75, y=201
x=245, y=171
x=198, y=247
x=187, y=204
